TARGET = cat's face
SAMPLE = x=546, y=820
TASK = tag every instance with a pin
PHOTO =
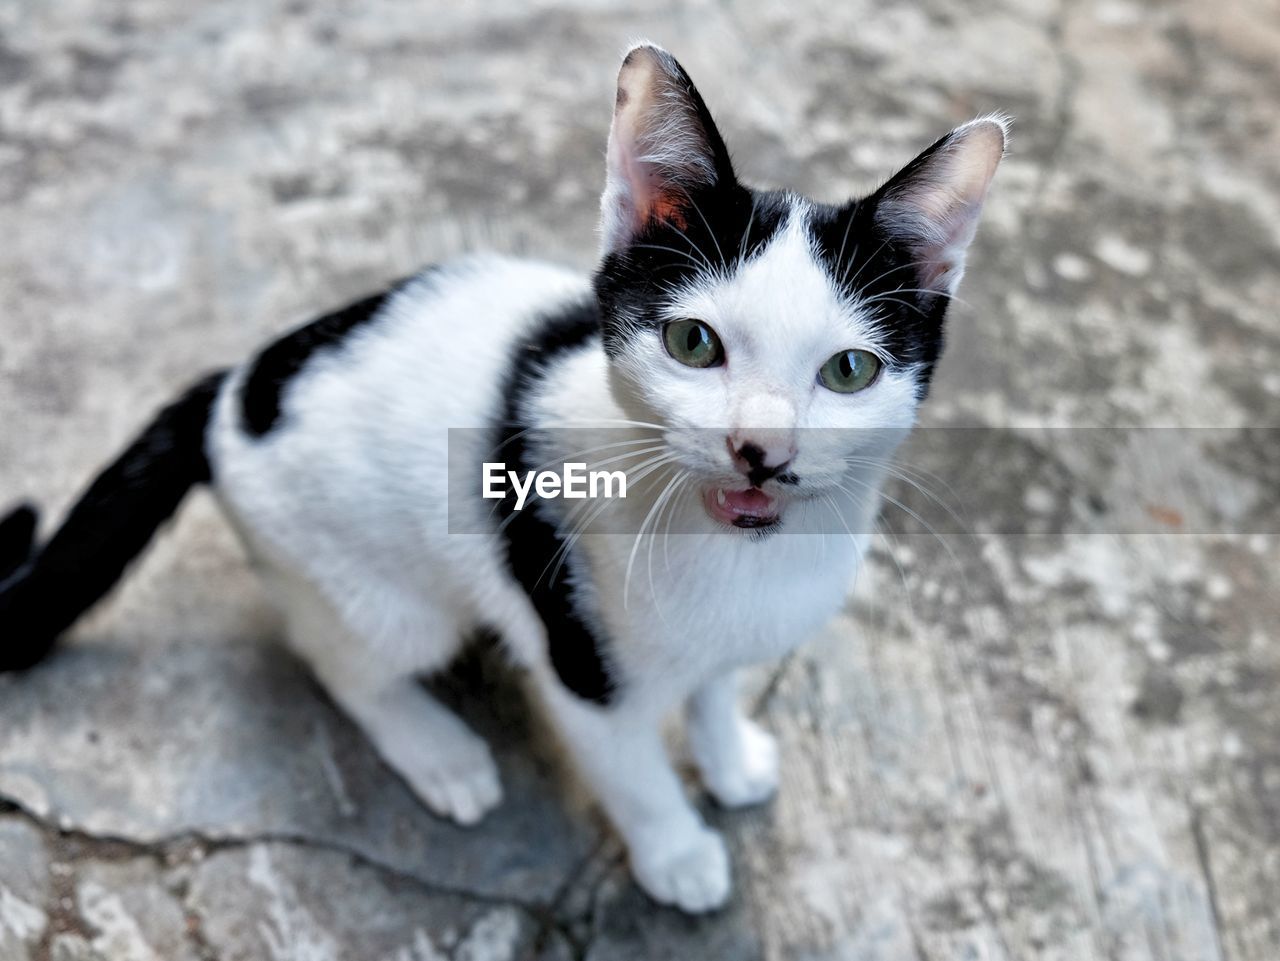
x=781, y=342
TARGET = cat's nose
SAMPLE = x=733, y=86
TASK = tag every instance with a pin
x=760, y=458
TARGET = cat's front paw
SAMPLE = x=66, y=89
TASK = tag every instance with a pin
x=458, y=780
x=463, y=797
x=689, y=871
x=747, y=773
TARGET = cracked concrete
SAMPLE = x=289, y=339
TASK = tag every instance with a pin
x=1053, y=745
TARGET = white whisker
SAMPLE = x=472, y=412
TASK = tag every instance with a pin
x=631, y=559
x=665, y=498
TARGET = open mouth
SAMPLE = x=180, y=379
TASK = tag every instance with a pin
x=742, y=508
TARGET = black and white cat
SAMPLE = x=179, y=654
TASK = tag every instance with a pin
x=721, y=325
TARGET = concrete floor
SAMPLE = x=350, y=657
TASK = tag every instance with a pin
x=1058, y=746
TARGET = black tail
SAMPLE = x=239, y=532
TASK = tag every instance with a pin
x=43, y=592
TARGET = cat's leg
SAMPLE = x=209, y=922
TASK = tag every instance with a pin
x=443, y=761
x=619, y=751
x=738, y=759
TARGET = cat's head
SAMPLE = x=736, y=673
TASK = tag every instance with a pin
x=778, y=338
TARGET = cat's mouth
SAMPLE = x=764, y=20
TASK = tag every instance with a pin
x=742, y=508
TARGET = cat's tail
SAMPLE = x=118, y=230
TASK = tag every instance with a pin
x=44, y=590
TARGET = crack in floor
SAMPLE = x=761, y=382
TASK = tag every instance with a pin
x=547, y=919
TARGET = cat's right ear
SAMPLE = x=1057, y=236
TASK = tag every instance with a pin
x=663, y=147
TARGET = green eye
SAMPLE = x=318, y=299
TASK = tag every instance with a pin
x=693, y=343
x=850, y=371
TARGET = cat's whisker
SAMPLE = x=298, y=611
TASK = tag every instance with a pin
x=746, y=234
x=847, y=281
x=890, y=548
x=714, y=239
x=657, y=449
x=656, y=443
x=567, y=544
x=901, y=472
x=631, y=558
x=535, y=497
x=668, y=494
x=880, y=298
x=844, y=240
x=956, y=565
x=929, y=290
x=672, y=250
x=711, y=269
x=572, y=425
x=904, y=474
x=822, y=560
x=889, y=296
x=635, y=477
x=666, y=537
x=576, y=533
x=561, y=554
x=840, y=514
x=942, y=541
x=912, y=265
x=584, y=423
x=604, y=421
x=913, y=469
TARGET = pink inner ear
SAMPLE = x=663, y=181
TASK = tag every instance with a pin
x=666, y=208
x=650, y=199
x=935, y=209
x=942, y=255
x=651, y=192
x=658, y=149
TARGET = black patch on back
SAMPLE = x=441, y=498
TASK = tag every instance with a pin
x=575, y=651
x=868, y=263
x=280, y=361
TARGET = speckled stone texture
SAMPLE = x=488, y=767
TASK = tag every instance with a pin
x=1061, y=746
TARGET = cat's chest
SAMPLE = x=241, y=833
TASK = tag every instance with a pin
x=722, y=601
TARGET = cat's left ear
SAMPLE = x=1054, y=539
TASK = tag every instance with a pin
x=932, y=205
x=663, y=147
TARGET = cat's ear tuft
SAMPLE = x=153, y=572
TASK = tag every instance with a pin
x=933, y=204
x=663, y=146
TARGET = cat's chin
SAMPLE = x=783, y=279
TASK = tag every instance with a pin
x=749, y=509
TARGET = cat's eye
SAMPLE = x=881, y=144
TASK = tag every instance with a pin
x=693, y=343
x=850, y=371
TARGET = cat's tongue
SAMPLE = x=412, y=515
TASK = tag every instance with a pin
x=748, y=508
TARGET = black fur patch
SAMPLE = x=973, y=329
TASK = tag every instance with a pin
x=725, y=224
x=280, y=361
x=17, y=539
x=106, y=529
x=868, y=263
x=576, y=653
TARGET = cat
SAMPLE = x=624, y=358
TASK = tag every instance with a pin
x=722, y=326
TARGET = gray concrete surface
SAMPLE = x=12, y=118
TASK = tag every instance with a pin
x=1063, y=746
